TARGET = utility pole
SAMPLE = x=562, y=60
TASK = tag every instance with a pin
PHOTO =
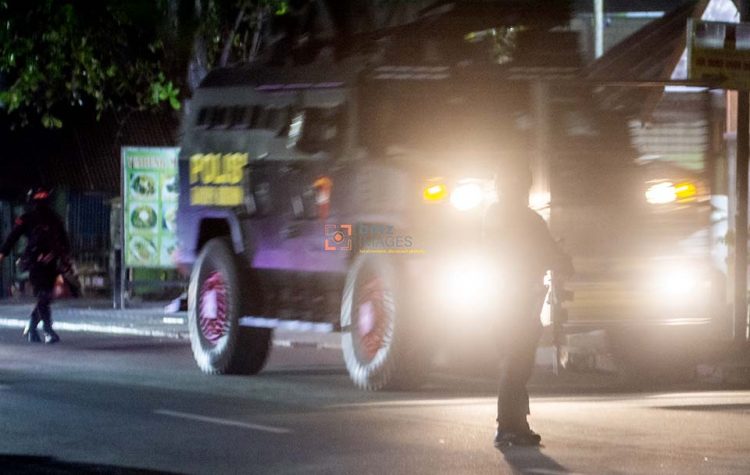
x=598, y=28
x=743, y=155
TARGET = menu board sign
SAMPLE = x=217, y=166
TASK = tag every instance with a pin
x=150, y=192
x=719, y=53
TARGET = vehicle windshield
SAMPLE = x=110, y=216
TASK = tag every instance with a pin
x=442, y=120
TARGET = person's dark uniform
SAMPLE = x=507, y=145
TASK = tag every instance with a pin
x=524, y=250
x=45, y=255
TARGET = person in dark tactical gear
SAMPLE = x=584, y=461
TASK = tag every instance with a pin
x=524, y=249
x=45, y=257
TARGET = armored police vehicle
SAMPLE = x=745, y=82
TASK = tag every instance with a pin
x=348, y=195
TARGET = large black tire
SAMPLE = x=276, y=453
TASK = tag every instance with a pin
x=390, y=356
x=217, y=299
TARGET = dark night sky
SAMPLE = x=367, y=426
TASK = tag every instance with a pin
x=22, y=154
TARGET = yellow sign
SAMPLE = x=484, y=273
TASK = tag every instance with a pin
x=216, y=179
x=719, y=53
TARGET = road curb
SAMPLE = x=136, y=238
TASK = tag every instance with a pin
x=284, y=342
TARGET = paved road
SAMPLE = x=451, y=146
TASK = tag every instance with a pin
x=101, y=402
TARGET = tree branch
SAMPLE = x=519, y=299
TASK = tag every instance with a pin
x=228, y=41
x=257, y=34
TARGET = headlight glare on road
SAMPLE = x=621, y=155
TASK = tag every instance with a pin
x=467, y=196
x=468, y=282
x=678, y=281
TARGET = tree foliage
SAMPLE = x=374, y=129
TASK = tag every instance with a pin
x=56, y=55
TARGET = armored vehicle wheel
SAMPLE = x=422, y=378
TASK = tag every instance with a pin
x=216, y=300
x=379, y=344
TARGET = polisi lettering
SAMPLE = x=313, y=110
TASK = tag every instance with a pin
x=217, y=169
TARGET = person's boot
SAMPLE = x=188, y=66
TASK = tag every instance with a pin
x=522, y=438
x=505, y=440
x=528, y=438
x=30, y=333
x=50, y=336
x=46, y=317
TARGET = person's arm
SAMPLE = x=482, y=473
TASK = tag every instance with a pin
x=18, y=229
x=557, y=259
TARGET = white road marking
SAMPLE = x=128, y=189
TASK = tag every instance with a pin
x=305, y=344
x=225, y=422
x=135, y=331
x=417, y=402
x=95, y=328
x=287, y=325
x=173, y=320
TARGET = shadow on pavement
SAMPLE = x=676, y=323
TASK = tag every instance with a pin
x=709, y=407
x=531, y=460
x=274, y=373
x=150, y=345
x=32, y=464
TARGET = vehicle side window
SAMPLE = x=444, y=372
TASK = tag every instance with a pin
x=238, y=118
x=275, y=119
x=219, y=118
x=260, y=116
x=322, y=130
x=203, y=116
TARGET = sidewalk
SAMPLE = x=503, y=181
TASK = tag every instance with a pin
x=139, y=319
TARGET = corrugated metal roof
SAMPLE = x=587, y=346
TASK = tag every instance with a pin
x=667, y=126
x=651, y=53
x=648, y=55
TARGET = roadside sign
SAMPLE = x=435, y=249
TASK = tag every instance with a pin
x=150, y=192
x=719, y=53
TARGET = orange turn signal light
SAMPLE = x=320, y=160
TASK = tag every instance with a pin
x=685, y=190
x=435, y=192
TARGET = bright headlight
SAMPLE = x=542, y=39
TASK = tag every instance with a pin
x=467, y=196
x=681, y=280
x=661, y=193
x=666, y=192
x=676, y=281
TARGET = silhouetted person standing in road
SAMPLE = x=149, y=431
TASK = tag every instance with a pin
x=46, y=253
x=524, y=251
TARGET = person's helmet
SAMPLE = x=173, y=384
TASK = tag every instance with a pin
x=38, y=195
